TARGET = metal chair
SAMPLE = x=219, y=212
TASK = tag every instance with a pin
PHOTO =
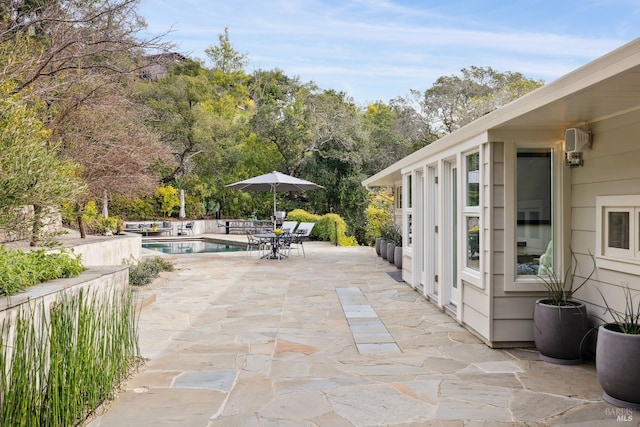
x=253, y=244
x=185, y=229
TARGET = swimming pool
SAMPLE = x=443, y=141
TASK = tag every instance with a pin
x=191, y=246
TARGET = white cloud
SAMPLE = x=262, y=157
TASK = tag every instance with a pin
x=378, y=49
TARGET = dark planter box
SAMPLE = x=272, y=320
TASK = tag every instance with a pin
x=617, y=356
x=559, y=331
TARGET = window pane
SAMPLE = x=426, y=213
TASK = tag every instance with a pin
x=619, y=230
x=473, y=242
x=473, y=179
x=534, y=208
x=409, y=191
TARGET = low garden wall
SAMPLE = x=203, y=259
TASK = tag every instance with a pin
x=94, y=278
x=65, y=346
x=114, y=250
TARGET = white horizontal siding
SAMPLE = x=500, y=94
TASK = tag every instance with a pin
x=610, y=168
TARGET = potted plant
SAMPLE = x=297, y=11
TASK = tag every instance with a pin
x=560, y=322
x=391, y=250
x=386, y=232
x=379, y=243
x=618, y=352
x=397, y=256
x=393, y=237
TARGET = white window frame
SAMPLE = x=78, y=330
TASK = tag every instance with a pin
x=512, y=281
x=624, y=260
x=468, y=274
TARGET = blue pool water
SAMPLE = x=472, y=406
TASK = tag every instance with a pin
x=190, y=246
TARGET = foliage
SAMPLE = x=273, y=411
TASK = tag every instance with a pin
x=59, y=363
x=627, y=321
x=31, y=170
x=146, y=270
x=455, y=101
x=72, y=63
x=168, y=198
x=301, y=215
x=560, y=290
x=20, y=270
x=138, y=208
x=97, y=224
x=391, y=233
x=329, y=227
x=379, y=212
x=118, y=153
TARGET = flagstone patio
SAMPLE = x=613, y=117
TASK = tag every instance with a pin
x=330, y=340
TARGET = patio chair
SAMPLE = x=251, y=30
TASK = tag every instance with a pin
x=287, y=241
x=255, y=244
x=289, y=226
x=185, y=229
x=132, y=227
x=303, y=232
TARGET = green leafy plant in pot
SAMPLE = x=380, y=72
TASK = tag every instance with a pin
x=560, y=322
x=393, y=237
x=397, y=257
x=618, y=353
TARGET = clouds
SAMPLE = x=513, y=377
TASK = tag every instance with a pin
x=379, y=49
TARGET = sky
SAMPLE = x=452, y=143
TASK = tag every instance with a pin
x=377, y=50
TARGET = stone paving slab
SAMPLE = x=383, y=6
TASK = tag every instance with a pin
x=235, y=341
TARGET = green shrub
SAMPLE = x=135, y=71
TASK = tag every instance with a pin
x=329, y=227
x=301, y=215
x=168, y=198
x=20, y=270
x=131, y=209
x=146, y=270
x=379, y=212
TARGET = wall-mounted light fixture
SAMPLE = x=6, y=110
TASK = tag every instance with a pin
x=575, y=141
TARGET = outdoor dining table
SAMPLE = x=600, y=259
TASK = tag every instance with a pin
x=275, y=241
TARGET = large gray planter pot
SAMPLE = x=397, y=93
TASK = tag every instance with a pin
x=379, y=242
x=559, y=331
x=617, y=356
x=397, y=257
x=383, y=249
x=391, y=251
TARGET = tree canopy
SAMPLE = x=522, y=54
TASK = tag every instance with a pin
x=72, y=80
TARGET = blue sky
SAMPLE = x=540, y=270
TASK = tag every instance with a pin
x=380, y=49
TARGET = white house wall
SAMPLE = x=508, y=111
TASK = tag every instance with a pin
x=602, y=97
x=610, y=168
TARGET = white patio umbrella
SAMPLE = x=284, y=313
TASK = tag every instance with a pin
x=182, y=213
x=105, y=204
x=274, y=181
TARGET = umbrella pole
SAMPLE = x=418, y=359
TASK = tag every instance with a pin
x=274, y=207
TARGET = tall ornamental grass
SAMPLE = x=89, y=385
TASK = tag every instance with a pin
x=58, y=364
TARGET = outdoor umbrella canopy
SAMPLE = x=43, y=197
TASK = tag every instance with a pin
x=274, y=181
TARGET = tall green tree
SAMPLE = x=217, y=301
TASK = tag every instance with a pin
x=454, y=101
x=32, y=172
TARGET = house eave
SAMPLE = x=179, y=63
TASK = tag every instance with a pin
x=606, y=87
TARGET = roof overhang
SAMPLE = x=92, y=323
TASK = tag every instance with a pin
x=604, y=88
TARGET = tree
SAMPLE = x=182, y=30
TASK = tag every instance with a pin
x=410, y=122
x=225, y=58
x=64, y=44
x=62, y=55
x=118, y=155
x=388, y=138
x=455, y=101
x=32, y=172
x=177, y=105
